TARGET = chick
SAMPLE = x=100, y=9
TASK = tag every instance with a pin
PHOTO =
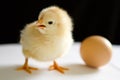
x=48, y=38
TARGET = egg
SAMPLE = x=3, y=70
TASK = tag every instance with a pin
x=96, y=51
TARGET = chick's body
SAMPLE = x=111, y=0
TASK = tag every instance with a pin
x=51, y=42
x=48, y=38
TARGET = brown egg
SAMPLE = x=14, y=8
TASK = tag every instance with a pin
x=96, y=51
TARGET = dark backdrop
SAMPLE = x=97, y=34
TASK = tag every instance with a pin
x=90, y=17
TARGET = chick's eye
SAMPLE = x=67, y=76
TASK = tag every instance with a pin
x=50, y=22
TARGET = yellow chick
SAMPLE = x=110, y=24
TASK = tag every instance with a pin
x=48, y=38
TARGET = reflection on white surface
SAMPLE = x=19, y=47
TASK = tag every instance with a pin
x=11, y=57
x=8, y=72
x=115, y=62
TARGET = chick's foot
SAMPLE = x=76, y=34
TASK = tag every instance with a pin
x=26, y=68
x=55, y=66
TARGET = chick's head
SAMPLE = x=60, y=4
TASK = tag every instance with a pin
x=54, y=20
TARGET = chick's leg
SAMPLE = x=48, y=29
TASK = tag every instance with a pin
x=27, y=68
x=55, y=66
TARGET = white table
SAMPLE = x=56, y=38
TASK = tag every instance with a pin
x=11, y=57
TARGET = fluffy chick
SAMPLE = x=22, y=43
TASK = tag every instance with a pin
x=48, y=38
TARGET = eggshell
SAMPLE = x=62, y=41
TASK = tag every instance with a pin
x=96, y=51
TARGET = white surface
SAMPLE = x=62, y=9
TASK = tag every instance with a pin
x=11, y=57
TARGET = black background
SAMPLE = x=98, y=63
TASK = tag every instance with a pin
x=90, y=17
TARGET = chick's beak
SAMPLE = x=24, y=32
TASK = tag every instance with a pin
x=40, y=25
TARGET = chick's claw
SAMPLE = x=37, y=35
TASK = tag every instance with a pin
x=27, y=69
x=58, y=68
x=33, y=68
